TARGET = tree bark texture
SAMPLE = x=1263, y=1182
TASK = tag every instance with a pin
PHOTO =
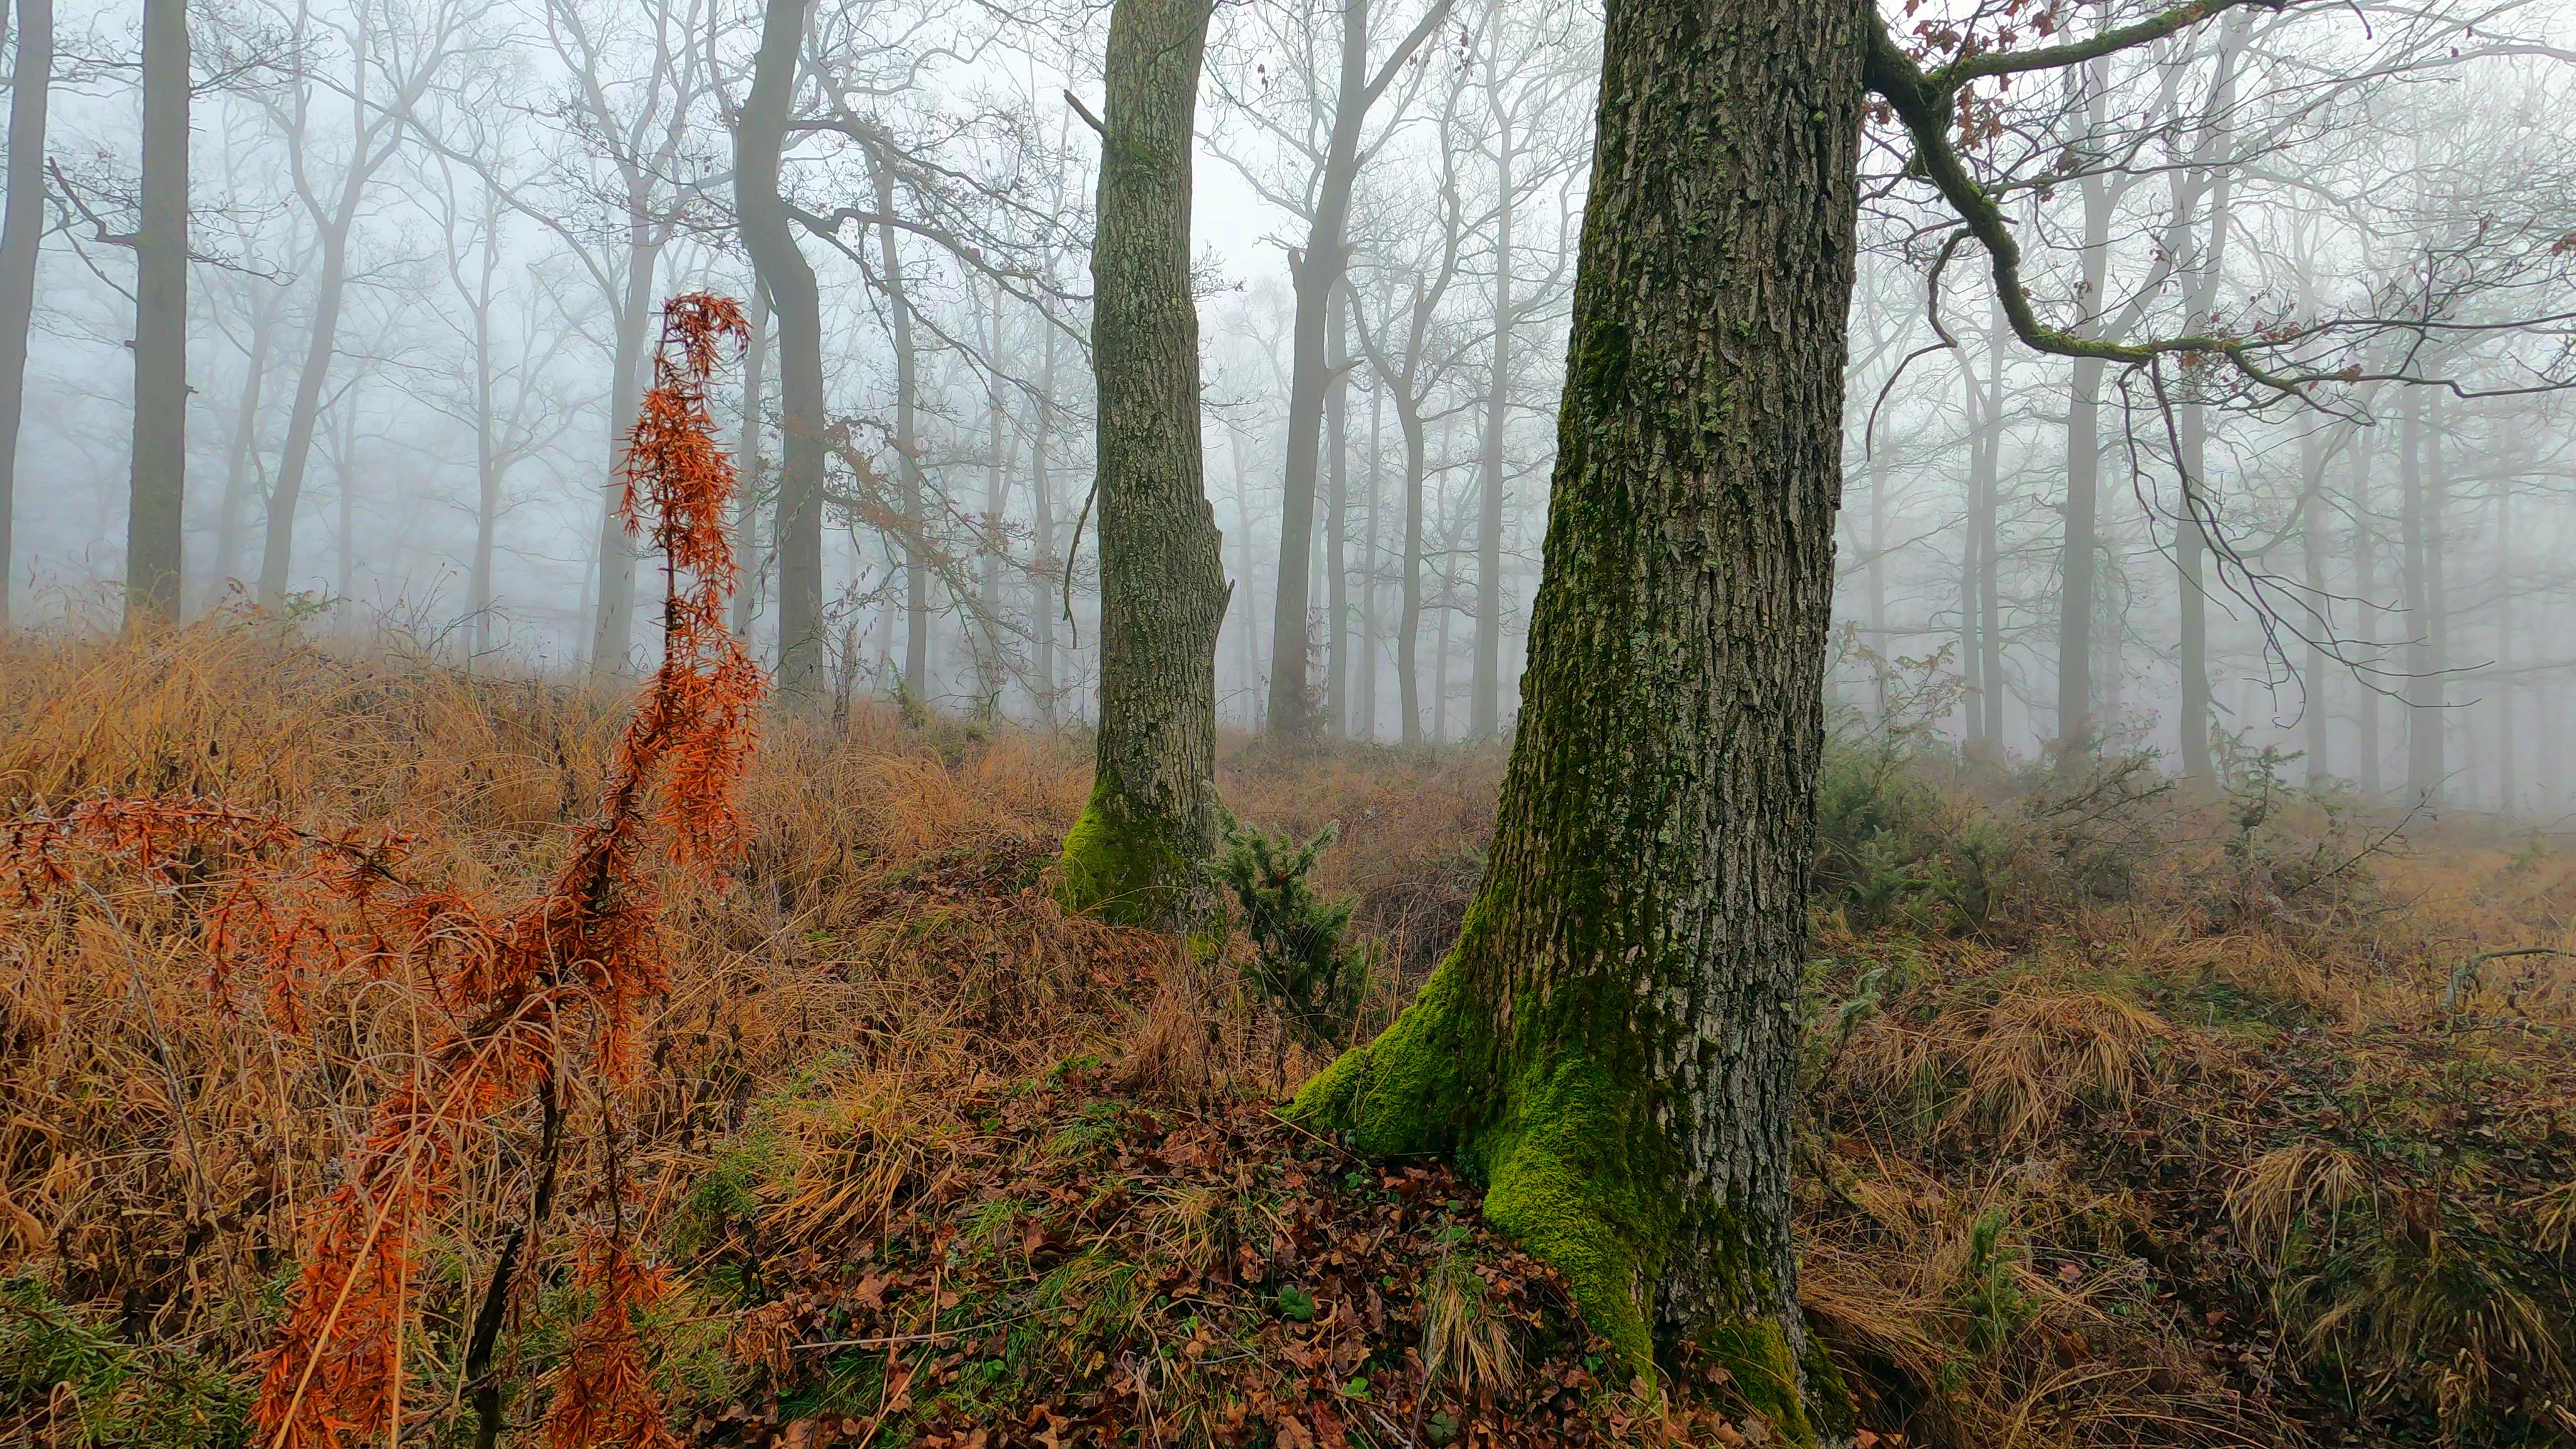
x=21, y=237
x=1613, y=1040
x=158, y=485
x=796, y=531
x=1151, y=818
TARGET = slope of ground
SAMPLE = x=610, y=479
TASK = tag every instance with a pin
x=2133, y=1118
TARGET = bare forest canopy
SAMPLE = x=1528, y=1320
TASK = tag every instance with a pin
x=2262, y=444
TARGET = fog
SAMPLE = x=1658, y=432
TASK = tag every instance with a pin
x=425, y=241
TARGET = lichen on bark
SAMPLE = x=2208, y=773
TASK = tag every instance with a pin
x=1612, y=1045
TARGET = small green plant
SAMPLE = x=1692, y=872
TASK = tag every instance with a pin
x=1300, y=966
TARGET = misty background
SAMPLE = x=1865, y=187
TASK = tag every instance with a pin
x=427, y=239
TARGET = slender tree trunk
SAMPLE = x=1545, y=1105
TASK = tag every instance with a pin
x=1243, y=584
x=22, y=235
x=158, y=487
x=2365, y=567
x=1337, y=579
x=989, y=675
x=2189, y=564
x=1613, y=1041
x=797, y=528
x=907, y=444
x=1408, y=628
x=1990, y=623
x=2506, y=685
x=231, y=521
x=277, y=551
x=2077, y=701
x=1365, y=661
x=1152, y=814
x=2312, y=577
x=487, y=467
x=345, y=469
x=2437, y=509
x=2423, y=682
x=612, y=636
x=1043, y=576
x=1485, y=712
x=1881, y=646
x=754, y=469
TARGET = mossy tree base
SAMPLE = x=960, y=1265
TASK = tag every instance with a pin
x=1612, y=1045
x=1121, y=869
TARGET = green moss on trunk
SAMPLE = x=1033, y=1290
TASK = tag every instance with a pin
x=1118, y=868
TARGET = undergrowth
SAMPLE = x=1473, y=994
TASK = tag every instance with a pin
x=2132, y=1114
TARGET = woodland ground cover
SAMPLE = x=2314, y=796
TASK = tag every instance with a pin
x=2132, y=1115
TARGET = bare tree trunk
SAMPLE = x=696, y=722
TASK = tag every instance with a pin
x=345, y=476
x=1151, y=818
x=612, y=637
x=1337, y=594
x=1044, y=596
x=1613, y=1042
x=907, y=443
x=21, y=238
x=2312, y=578
x=1365, y=660
x=2189, y=554
x=1408, y=628
x=2365, y=564
x=242, y=452
x=158, y=487
x=1990, y=624
x=797, y=530
x=1318, y=271
x=2423, y=681
x=487, y=470
x=1243, y=585
x=988, y=658
x=1485, y=712
x=2507, y=686
x=754, y=470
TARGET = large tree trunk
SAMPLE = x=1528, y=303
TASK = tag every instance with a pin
x=1364, y=686
x=2077, y=702
x=1613, y=1041
x=2190, y=554
x=21, y=237
x=797, y=528
x=158, y=485
x=1152, y=814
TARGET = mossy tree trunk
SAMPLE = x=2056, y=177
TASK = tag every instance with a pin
x=1152, y=815
x=1612, y=1043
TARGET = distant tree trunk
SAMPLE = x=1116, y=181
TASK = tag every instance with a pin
x=303, y=417
x=746, y=510
x=21, y=239
x=1240, y=450
x=487, y=462
x=2077, y=700
x=1337, y=580
x=2437, y=512
x=1365, y=661
x=158, y=486
x=2312, y=578
x=1044, y=599
x=2365, y=566
x=612, y=637
x=1408, y=628
x=988, y=657
x=241, y=453
x=1881, y=647
x=1613, y=1042
x=1152, y=814
x=1485, y=682
x=2507, y=686
x=1317, y=271
x=797, y=530
x=1990, y=623
x=344, y=467
x=2190, y=551
x=2415, y=523
x=907, y=443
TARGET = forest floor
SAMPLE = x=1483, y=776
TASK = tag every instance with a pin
x=2132, y=1116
